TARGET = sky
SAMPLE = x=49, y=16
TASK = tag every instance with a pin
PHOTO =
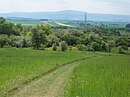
x=91, y=6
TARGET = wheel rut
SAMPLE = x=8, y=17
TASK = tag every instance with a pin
x=49, y=85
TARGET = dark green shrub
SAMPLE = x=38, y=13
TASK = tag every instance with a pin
x=24, y=43
x=89, y=48
x=3, y=40
x=124, y=47
x=54, y=47
x=82, y=47
x=95, y=46
x=122, y=50
x=64, y=46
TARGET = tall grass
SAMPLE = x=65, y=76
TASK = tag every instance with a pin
x=20, y=65
x=107, y=76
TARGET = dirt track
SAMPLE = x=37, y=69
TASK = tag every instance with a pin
x=50, y=85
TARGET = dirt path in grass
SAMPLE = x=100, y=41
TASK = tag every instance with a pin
x=50, y=85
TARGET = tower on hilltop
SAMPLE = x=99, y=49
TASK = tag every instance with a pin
x=85, y=18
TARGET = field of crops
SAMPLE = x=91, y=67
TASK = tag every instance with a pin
x=53, y=24
x=107, y=76
x=58, y=24
x=18, y=66
x=25, y=22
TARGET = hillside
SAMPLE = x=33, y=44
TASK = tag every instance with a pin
x=68, y=15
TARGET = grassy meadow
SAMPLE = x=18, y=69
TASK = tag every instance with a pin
x=107, y=76
x=18, y=66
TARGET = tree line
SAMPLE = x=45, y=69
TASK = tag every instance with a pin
x=44, y=36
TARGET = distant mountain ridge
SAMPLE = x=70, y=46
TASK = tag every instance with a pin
x=67, y=15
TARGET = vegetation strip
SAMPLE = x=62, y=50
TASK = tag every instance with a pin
x=85, y=38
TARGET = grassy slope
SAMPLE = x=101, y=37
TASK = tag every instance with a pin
x=19, y=65
x=102, y=77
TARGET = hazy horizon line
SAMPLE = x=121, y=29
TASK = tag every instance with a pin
x=61, y=11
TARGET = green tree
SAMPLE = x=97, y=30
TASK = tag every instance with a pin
x=95, y=46
x=64, y=46
x=52, y=39
x=11, y=40
x=46, y=28
x=5, y=27
x=111, y=44
x=3, y=40
x=54, y=47
x=2, y=20
x=81, y=47
x=103, y=46
x=38, y=38
x=70, y=39
x=19, y=27
x=24, y=43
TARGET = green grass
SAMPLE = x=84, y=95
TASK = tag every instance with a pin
x=107, y=76
x=24, y=22
x=18, y=66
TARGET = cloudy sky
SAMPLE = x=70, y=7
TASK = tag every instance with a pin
x=92, y=6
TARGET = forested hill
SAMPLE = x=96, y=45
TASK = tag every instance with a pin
x=68, y=15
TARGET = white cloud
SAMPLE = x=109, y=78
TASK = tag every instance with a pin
x=98, y=6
